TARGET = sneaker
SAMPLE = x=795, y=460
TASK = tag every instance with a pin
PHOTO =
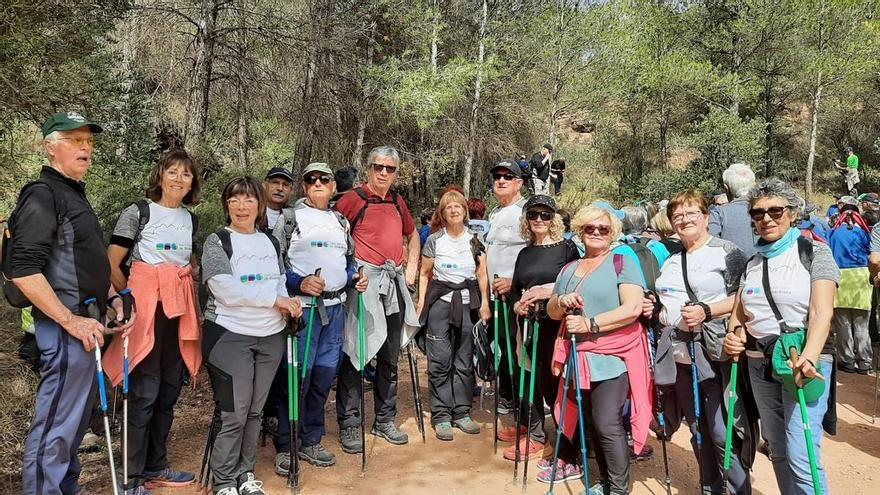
x=536, y=449
x=505, y=406
x=138, y=490
x=316, y=455
x=167, y=477
x=229, y=490
x=250, y=485
x=509, y=434
x=847, y=368
x=467, y=425
x=547, y=463
x=597, y=489
x=443, y=431
x=282, y=463
x=350, y=439
x=646, y=453
x=390, y=432
x=564, y=472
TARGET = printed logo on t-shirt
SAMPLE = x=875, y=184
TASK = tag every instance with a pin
x=257, y=277
x=753, y=290
x=328, y=244
x=173, y=246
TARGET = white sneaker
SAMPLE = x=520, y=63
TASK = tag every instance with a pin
x=229, y=490
x=250, y=486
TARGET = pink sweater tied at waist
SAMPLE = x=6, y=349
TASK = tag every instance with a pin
x=173, y=286
x=631, y=345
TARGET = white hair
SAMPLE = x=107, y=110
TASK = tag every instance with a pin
x=385, y=152
x=635, y=220
x=53, y=137
x=738, y=178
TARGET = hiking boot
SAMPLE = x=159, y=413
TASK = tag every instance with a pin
x=229, y=490
x=536, y=449
x=390, y=432
x=168, y=477
x=282, y=463
x=505, y=406
x=248, y=484
x=138, y=490
x=316, y=455
x=509, y=434
x=467, y=425
x=350, y=439
x=564, y=472
x=443, y=431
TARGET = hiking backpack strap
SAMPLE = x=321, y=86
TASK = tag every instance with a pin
x=618, y=263
x=195, y=230
x=226, y=242
x=143, y=207
x=805, y=252
x=394, y=198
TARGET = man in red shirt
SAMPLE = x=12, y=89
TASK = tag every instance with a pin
x=380, y=225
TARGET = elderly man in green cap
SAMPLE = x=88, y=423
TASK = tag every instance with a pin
x=314, y=237
x=58, y=260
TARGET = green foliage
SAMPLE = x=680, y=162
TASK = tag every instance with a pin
x=723, y=138
x=663, y=184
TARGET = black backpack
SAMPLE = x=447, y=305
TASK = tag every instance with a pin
x=647, y=260
x=11, y=292
x=226, y=241
x=143, y=207
x=393, y=198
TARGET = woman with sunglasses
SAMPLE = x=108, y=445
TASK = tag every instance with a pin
x=787, y=289
x=599, y=300
x=452, y=284
x=696, y=290
x=535, y=271
x=243, y=330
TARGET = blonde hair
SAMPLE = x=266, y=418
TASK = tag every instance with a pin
x=589, y=213
x=660, y=223
x=556, y=230
x=448, y=198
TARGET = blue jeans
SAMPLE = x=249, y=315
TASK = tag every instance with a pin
x=783, y=428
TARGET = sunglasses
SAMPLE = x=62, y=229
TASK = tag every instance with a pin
x=601, y=229
x=543, y=215
x=312, y=179
x=378, y=167
x=775, y=213
x=507, y=177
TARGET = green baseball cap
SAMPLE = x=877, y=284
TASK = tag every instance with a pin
x=317, y=167
x=68, y=121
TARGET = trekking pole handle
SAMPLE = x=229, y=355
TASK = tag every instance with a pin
x=127, y=303
x=94, y=313
x=738, y=331
x=360, y=272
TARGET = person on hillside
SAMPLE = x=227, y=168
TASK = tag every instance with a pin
x=279, y=189
x=57, y=261
x=503, y=244
x=731, y=221
x=166, y=340
x=696, y=290
x=849, y=241
x=380, y=226
x=312, y=236
x=243, y=330
x=453, y=284
x=535, y=272
x=557, y=171
x=525, y=174
x=476, y=211
x=796, y=279
x=611, y=351
x=540, y=165
x=850, y=172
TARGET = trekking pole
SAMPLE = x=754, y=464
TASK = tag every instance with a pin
x=204, y=470
x=127, y=305
x=517, y=412
x=362, y=351
x=661, y=419
x=496, y=358
x=560, y=428
x=305, y=361
x=808, y=434
x=417, y=393
x=582, y=424
x=876, y=384
x=696, y=385
x=293, y=407
x=532, y=373
x=94, y=313
x=728, y=438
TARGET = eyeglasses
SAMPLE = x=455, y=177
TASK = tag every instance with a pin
x=690, y=215
x=89, y=141
x=507, y=177
x=378, y=167
x=543, y=215
x=312, y=179
x=775, y=213
x=235, y=202
x=601, y=229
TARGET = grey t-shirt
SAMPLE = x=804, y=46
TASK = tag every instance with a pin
x=875, y=239
x=733, y=223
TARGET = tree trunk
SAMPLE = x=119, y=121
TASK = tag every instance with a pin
x=435, y=36
x=814, y=137
x=241, y=93
x=475, y=108
x=357, y=158
x=200, y=82
x=557, y=77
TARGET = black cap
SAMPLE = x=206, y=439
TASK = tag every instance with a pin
x=540, y=200
x=508, y=165
x=548, y=146
x=279, y=172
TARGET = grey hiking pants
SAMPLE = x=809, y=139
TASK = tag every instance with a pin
x=241, y=368
x=853, y=341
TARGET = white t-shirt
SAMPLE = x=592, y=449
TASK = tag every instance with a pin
x=791, y=285
x=272, y=217
x=244, y=301
x=166, y=238
x=453, y=259
x=504, y=240
x=321, y=243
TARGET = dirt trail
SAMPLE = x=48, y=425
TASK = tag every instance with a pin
x=468, y=466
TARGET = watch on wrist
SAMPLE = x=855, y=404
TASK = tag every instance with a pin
x=594, y=327
x=706, y=310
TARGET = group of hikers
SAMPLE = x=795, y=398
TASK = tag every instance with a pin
x=623, y=322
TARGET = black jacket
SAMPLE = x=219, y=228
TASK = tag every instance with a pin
x=57, y=234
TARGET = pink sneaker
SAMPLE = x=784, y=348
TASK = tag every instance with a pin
x=564, y=472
